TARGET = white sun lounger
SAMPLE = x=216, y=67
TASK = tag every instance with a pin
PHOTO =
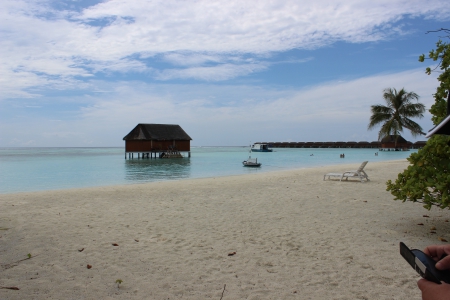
x=352, y=174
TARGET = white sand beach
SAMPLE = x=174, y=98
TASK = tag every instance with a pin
x=279, y=235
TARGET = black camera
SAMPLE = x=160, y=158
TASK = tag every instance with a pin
x=424, y=265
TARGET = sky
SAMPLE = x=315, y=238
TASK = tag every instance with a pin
x=79, y=73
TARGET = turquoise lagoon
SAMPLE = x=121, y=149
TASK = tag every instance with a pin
x=37, y=169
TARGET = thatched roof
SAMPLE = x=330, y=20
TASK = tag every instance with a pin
x=391, y=139
x=157, y=132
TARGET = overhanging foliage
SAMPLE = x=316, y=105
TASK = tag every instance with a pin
x=427, y=179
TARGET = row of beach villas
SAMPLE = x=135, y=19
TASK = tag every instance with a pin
x=374, y=145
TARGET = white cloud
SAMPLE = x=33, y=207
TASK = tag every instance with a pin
x=216, y=73
x=119, y=36
x=120, y=65
x=194, y=59
x=253, y=26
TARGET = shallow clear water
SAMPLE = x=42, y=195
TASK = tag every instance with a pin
x=35, y=169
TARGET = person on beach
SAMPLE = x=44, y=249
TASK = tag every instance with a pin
x=431, y=290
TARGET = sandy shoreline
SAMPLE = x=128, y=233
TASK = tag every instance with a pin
x=294, y=235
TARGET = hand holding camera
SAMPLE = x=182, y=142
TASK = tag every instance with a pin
x=433, y=264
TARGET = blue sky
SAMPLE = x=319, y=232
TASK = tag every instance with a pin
x=84, y=73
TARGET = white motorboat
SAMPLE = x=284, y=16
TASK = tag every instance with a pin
x=261, y=148
x=251, y=162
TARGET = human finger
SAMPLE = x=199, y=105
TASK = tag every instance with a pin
x=433, y=250
x=424, y=284
x=443, y=264
x=437, y=252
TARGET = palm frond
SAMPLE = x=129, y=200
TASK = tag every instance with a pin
x=413, y=110
x=380, y=114
x=415, y=128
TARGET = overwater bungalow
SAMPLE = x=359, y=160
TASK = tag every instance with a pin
x=394, y=143
x=164, y=140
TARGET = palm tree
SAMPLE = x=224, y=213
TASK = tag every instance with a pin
x=396, y=115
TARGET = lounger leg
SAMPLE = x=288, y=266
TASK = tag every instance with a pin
x=365, y=174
